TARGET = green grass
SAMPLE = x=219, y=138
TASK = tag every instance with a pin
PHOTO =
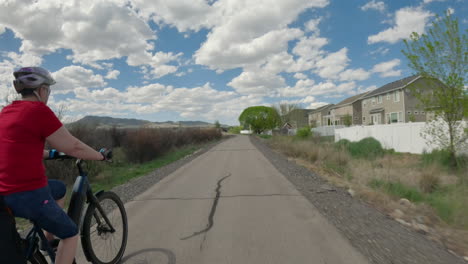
x=397, y=189
x=122, y=173
x=450, y=202
x=265, y=136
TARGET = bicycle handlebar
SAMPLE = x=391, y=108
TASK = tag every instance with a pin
x=55, y=155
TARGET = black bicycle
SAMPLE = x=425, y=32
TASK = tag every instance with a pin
x=104, y=228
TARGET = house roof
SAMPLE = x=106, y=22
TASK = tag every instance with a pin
x=393, y=86
x=350, y=100
x=320, y=108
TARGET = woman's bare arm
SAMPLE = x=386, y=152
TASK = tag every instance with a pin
x=65, y=142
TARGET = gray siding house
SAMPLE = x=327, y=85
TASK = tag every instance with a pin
x=320, y=116
x=393, y=102
x=351, y=106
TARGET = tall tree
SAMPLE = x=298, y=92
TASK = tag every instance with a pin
x=284, y=109
x=259, y=118
x=442, y=55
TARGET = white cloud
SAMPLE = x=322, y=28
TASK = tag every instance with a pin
x=300, y=76
x=386, y=69
x=450, y=11
x=429, y=1
x=379, y=6
x=330, y=66
x=247, y=32
x=257, y=82
x=112, y=74
x=354, y=75
x=183, y=14
x=92, y=30
x=407, y=20
x=312, y=26
x=380, y=50
x=217, y=54
x=72, y=77
x=362, y=89
x=310, y=48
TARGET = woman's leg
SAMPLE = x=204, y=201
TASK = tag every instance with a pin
x=67, y=250
x=57, y=190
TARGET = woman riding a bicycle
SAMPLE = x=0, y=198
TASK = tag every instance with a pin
x=25, y=126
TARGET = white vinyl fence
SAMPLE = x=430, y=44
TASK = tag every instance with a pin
x=402, y=137
x=326, y=130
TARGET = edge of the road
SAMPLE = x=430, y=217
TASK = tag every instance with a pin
x=378, y=237
x=136, y=186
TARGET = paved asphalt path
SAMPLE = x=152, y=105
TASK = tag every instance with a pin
x=230, y=205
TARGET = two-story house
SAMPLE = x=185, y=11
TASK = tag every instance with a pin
x=351, y=107
x=298, y=118
x=394, y=102
x=320, y=116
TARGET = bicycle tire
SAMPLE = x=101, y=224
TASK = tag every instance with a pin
x=90, y=227
x=37, y=258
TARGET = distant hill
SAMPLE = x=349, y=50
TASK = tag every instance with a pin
x=105, y=121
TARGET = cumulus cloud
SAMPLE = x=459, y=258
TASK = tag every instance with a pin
x=312, y=26
x=429, y=1
x=407, y=20
x=92, y=30
x=379, y=6
x=300, y=76
x=332, y=64
x=354, y=75
x=71, y=77
x=247, y=32
x=113, y=74
x=386, y=69
x=257, y=82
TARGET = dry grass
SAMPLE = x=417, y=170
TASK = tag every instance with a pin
x=444, y=208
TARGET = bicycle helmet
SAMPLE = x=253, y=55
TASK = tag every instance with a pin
x=31, y=78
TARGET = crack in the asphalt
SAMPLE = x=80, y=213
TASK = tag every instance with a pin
x=212, y=212
x=209, y=198
x=231, y=150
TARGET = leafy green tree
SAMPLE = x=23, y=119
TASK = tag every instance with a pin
x=259, y=118
x=217, y=124
x=347, y=120
x=441, y=55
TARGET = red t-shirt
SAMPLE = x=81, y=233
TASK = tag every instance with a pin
x=24, y=126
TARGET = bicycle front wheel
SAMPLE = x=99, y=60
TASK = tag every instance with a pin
x=37, y=258
x=104, y=244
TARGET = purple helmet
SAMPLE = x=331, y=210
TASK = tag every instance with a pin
x=31, y=78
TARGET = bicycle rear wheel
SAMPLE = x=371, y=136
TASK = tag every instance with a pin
x=100, y=244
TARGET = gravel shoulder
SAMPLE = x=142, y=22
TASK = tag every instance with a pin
x=378, y=237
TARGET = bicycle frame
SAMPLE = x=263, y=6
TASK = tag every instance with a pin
x=81, y=190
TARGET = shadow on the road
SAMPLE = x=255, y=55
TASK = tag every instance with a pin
x=150, y=256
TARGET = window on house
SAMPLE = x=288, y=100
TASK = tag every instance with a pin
x=409, y=112
x=364, y=103
x=393, y=117
x=396, y=96
x=364, y=119
x=388, y=96
x=387, y=119
x=422, y=112
x=416, y=112
x=373, y=101
x=380, y=99
x=400, y=116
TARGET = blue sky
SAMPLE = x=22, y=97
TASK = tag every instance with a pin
x=208, y=60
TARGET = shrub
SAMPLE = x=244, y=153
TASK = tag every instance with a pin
x=443, y=158
x=235, y=130
x=342, y=144
x=368, y=148
x=429, y=181
x=304, y=132
x=397, y=189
